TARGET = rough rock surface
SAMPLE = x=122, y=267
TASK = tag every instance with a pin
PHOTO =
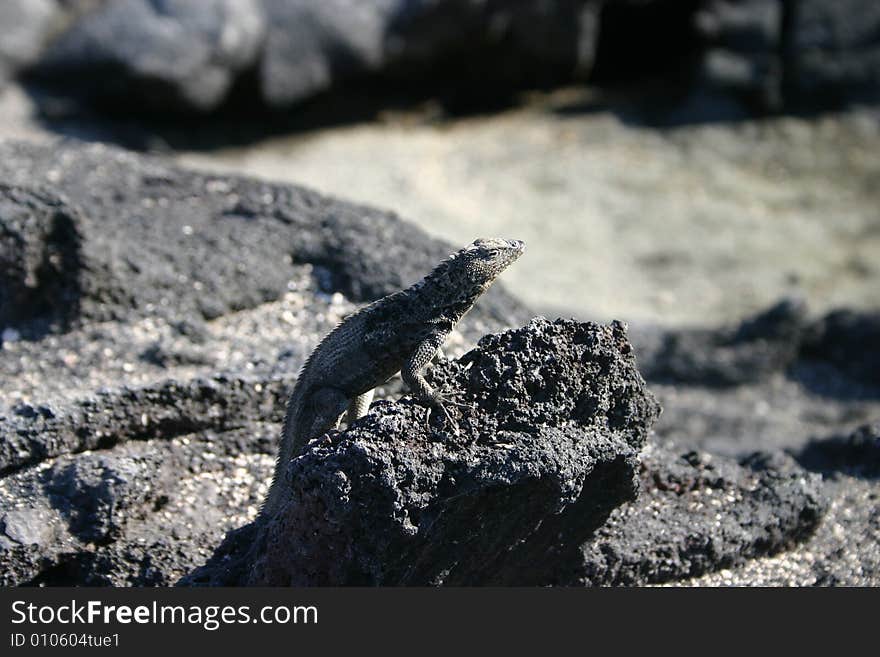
x=140, y=514
x=698, y=513
x=844, y=548
x=174, y=404
x=31, y=435
x=396, y=500
x=40, y=247
x=186, y=403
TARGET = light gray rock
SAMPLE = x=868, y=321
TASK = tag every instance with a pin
x=167, y=54
x=25, y=25
x=312, y=46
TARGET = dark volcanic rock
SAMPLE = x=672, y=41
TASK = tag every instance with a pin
x=148, y=239
x=849, y=340
x=392, y=501
x=742, y=49
x=547, y=448
x=311, y=46
x=41, y=258
x=97, y=493
x=506, y=43
x=779, y=339
x=697, y=513
x=178, y=55
x=130, y=258
x=808, y=54
x=183, y=56
x=158, y=54
x=540, y=481
x=856, y=454
x=171, y=408
x=465, y=517
x=315, y=46
x=141, y=514
x=832, y=53
x=750, y=352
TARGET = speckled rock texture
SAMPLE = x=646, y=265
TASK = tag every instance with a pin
x=697, y=514
x=153, y=320
x=400, y=500
x=148, y=342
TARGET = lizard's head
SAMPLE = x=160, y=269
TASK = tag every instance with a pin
x=459, y=280
x=485, y=259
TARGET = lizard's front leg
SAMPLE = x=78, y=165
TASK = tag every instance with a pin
x=411, y=372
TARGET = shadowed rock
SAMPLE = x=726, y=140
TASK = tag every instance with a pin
x=139, y=514
x=698, y=513
x=849, y=340
x=779, y=339
x=180, y=463
x=41, y=259
x=537, y=490
x=176, y=55
x=833, y=52
x=856, y=454
x=748, y=352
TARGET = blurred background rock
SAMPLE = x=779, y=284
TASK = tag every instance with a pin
x=674, y=162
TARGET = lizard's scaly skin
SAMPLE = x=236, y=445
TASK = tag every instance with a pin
x=401, y=332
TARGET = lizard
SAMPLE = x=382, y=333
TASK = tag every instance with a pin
x=400, y=332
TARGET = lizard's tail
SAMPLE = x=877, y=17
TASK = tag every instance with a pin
x=291, y=444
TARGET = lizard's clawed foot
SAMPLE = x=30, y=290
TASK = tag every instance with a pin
x=441, y=403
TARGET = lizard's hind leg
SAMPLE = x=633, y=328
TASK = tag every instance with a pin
x=323, y=412
x=359, y=406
